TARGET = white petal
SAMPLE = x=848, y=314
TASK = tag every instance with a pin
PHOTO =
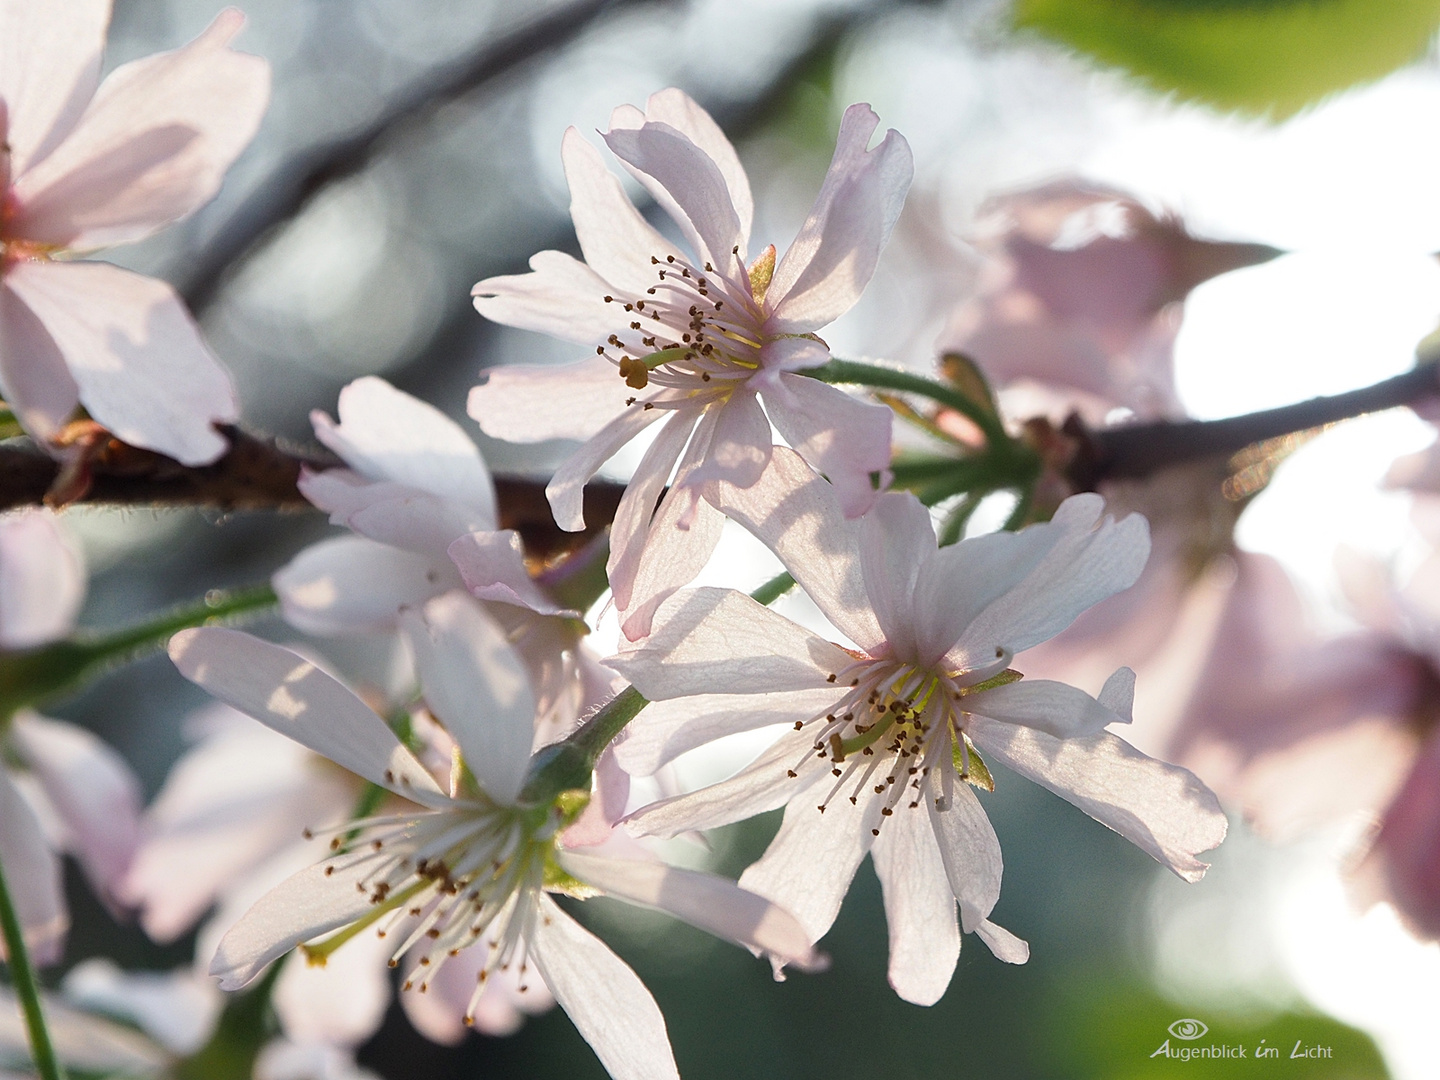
x=667, y=729
x=142, y=368
x=42, y=579
x=969, y=849
x=566, y=490
x=740, y=448
x=718, y=641
x=1055, y=708
x=1118, y=695
x=1161, y=808
x=353, y=585
x=176, y=1008
x=32, y=872
x=529, y=403
x=82, y=1041
x=152, y=146
x=676, y=108
x=49, y=68
x=796, y=514
x=561, y=297
x=1005, y=945
x=476, y=685
x=711, y=903
x=833, y=257
x=605, y=1000
x=288, y=693
x=93, y=789
x=36, y=384
x=896, y=540
x=919, y=907
x=340, y=1003
x=808, y=867
x=385, y=434
x=419, y=522
x=843, y=437
x=492, y=565
x=617, y=241
x=299, y=910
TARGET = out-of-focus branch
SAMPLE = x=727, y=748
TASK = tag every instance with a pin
x=290, y=188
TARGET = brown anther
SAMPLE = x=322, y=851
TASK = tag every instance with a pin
x=609, y=299
x=885, y=811
x=670, y=258
x=704, y=376
x=329, y=870
x=799, y=724
x=791, y=773
x=830, y=678
x=307, y=834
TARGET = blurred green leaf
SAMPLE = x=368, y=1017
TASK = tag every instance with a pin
x=1256, y=56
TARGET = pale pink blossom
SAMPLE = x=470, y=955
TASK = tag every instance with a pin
x=86, y=164
x=885, y=736
x=463, y=873
x=699, y=340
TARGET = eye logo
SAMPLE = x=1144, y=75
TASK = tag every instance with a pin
x=1187, y=1029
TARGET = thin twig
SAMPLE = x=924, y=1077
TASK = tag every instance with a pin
x=22, y=974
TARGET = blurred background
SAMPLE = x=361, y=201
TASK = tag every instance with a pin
x=372, y=276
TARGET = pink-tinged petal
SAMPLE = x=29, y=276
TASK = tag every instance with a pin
x=476, y=685
x=386, y=434
x=617, y=241
x=1052, y=707
x=353, y=585
x=834, y=256
x=300, y=909
x=667, y=729
x=896, y=540
x=1160, y=808
x=288, y=693
x=844, y=438
x=740, y=447
x=718, y=641
x=36, y=384
x=281, y=1059
x=919, y=907
x=529, y=403
x=808, y=867
x=492, y=565
x=152, y=146
x=142, y=368
x=91, y=787
x=1418, y=472
x=788, y=354
x=32, y=871
x=762, y=785
x=177, y=1008
x=605, y=1000
x=596, y=823
x=676, y=108
x=561, y=296
x=339, y=1003
x=42, y=579
x=419, y=522
x=711, y=903
x=631, y=526
x=1003, y=944
x=1405, y=859
x=438, y=1014
x=695, y=184
x=796, y=514
x=566, y=489
x=1091, y=560
x=83, y=1041
x=673, y=558
x=49, y=68
x=968, y=848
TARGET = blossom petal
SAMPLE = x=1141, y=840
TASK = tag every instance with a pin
x=919, y=907
x=32, y=871
x=339, y=1003
x=969, y=849
x=152, y=146
x=1002, y=943
x=476, y=685
x=529, y=403
x=1055, y=708
x=834, y=256
x=566, y=489
x=718, y=641
x=796, y=514
x=353, y=585
x=667, y=729
x=42, y=579
x=49, y=68
x=617, y=241
x=561, y=296
x=492, y=565
x=386, y=434
x=675, y=107
x=808, y=867
x=711, y=903
x=288, y=693
x=843, y=437
x=315, y=901
x=92, y=787
x=36, y=384
x=142, y=368
x=605, y=1000
x=1160, y=808
x=896, y=537
x=1092, y=559
x=740, y=448
x=419, y=522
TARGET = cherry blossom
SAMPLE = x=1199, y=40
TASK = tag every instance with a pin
x=888, y=737
x=699, y=340
x=463, y=870
x=86, y=164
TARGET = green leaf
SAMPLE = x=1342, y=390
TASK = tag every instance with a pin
x=1255, y=56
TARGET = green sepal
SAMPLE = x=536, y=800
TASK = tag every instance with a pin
x=558, y=880
x=1005, y=678
x=965, y=375
x=978, y=775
